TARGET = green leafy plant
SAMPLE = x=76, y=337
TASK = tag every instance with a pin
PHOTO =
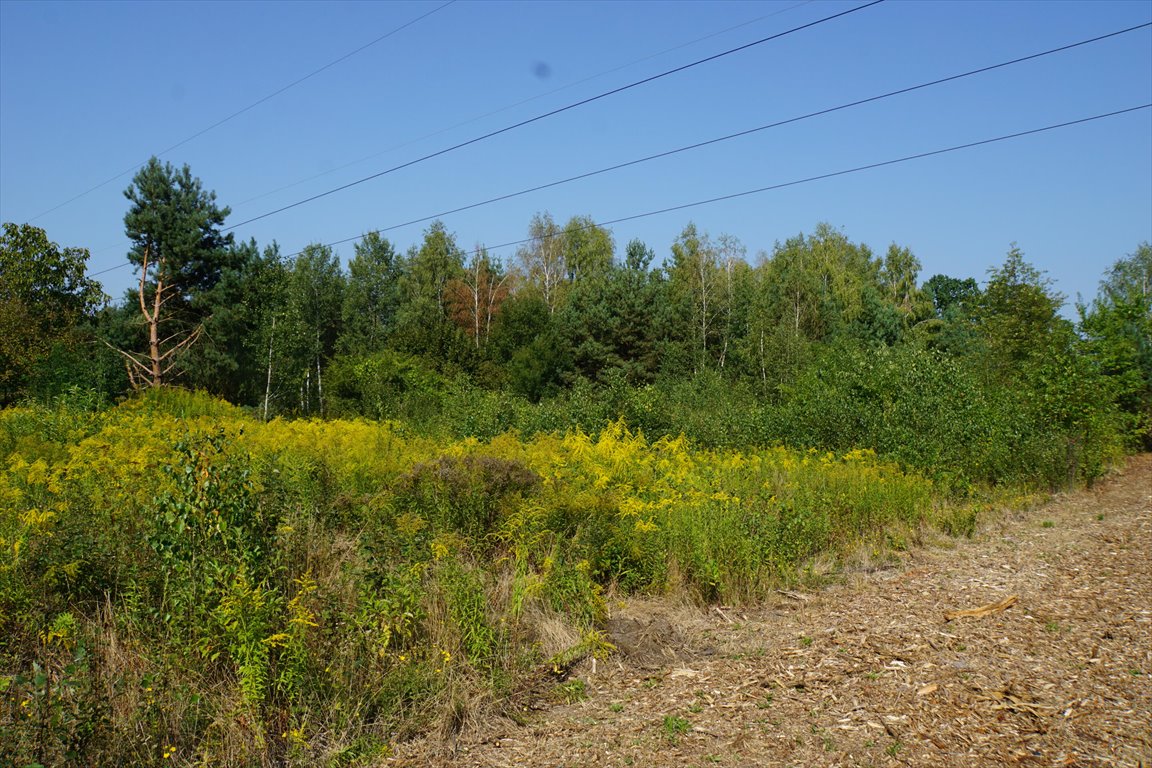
x=675, y=727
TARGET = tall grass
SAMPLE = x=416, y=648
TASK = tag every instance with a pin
x=181, y=583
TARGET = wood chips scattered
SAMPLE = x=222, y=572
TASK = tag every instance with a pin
x=864, y=673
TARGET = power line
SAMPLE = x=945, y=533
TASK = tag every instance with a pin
x=253, y=105
x=845, y=172
x=667, y=153
x=552, y=113
x=538, y=96
x=469, y=121
x=797, y=182
x=750, y=131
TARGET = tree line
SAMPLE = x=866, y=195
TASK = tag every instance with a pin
x=387, y=335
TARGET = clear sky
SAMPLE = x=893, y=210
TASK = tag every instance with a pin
x=91, y=89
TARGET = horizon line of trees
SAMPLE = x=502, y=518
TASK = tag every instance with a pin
x=306, y=336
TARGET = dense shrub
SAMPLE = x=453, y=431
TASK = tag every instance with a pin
x=181, y=583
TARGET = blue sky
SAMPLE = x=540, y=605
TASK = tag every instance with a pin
x=91, y=89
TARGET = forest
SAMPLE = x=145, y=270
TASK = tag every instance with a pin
x=272, y=509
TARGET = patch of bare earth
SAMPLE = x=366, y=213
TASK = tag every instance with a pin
x=871, y=673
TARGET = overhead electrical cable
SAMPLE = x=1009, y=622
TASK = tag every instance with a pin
x=845, y=172
x=251, y=106
x=806, y=180
x=522, y=102
x=749, y=131
x=667, y=153
x=830, y=175
x=469, y=121
x=553, y=112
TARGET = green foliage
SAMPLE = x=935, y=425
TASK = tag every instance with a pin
x=177, y=222
x=675, y=727
x=232, y=357
x=44, y=296
x=527, y=344
x=952, y=328
x=423, y=322
x=818, y=284
x=386, y=385
x=571, y=591
x=610, y=321
x=934, y=413
x=467, y=495
x=468, y=610
x=81, y=364
x=54, y=714
x=898, y=277
x=209, y=536
x=174, y=227
x=315, y=291
x=542, y=261
x=951, y=295
x=1118, y=330
x=307, y=591
x=572, y=691
x=368, y=313
x=1017, y=310
x=588, y=249
x=338, y=583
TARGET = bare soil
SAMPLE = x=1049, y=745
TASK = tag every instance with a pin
x=871, y=672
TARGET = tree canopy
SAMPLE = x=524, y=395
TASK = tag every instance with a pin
x=177, y=246
x=44, y=294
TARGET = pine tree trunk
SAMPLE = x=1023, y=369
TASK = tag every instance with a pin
x=154, y=335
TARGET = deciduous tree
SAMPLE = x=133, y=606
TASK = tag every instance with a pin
x=1018, y=310
x=43, y=295
x=1118, y=329
x=696, y=284
x=588, y=248
x=315, y=296
x=542, y=260
x=424, y=325
x=475, y=297
x=372, y=296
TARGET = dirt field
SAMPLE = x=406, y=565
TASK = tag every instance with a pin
x=872, y=672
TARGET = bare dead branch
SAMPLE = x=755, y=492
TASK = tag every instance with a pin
x=128, y=356
x=187, y=342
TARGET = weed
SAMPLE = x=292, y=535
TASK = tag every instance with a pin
x=675, y=727
x=572, y=691
x=311, y=590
